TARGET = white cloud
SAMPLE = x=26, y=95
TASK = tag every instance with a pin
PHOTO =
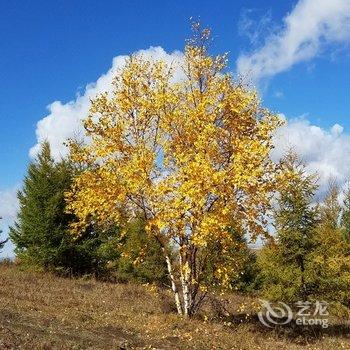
x=8, y=212
x=64, y=119
x=8, y=204
x=310, y=26
x=253, y=26
x=324, y=151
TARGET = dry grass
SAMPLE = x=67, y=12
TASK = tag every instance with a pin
x=40, y=311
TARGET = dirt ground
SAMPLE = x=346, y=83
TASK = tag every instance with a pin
x=41, y=311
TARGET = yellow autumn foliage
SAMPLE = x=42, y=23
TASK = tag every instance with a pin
x=190, y=156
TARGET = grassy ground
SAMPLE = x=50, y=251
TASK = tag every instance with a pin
x=40, y=311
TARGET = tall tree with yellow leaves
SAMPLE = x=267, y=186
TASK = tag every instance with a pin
x=191, y=156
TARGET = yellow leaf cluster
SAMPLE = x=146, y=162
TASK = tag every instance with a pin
x=191, y=157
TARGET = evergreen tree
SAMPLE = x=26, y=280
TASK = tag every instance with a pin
x=285, y=264
x=141, y=258
x=240, y=258
x=329, y=260
x=309, y=260
x=40, y=232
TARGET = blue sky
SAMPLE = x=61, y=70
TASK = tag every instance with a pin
x=297, y=52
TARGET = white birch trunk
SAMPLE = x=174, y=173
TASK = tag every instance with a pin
x=185, y=274
x=173, y=285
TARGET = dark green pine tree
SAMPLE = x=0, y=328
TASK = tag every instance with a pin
x=40, y=233
x=284, y=265
x=141, y=258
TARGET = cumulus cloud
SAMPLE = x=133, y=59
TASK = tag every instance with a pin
x=305, y=32
x=64, y=119
x=324, y=151
x=8, y=204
